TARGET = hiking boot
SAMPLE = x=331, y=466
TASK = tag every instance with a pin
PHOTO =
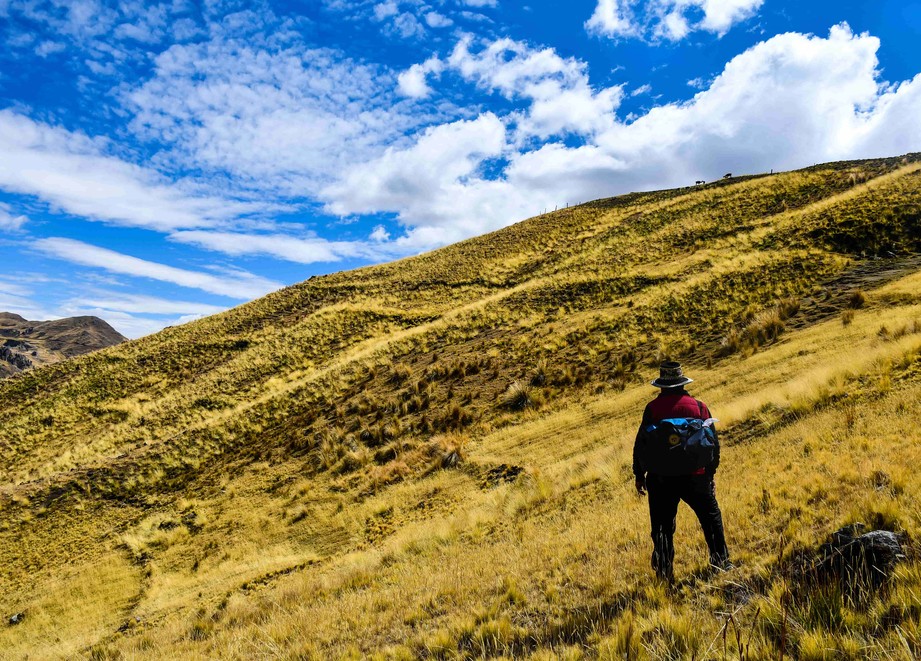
x=721, y=565
x=666, y=577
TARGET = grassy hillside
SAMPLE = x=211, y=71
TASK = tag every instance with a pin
x=431, y=458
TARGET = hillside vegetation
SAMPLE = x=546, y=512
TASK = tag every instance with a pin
x=431, y=458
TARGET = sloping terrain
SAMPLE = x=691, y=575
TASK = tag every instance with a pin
x=430, y=458
x=25, y=344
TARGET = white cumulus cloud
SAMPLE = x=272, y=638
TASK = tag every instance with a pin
x=721, y=15
x=612, y=18
x=413, y=82
x=435, y=185
x=671, y=19
x=788, y=102
x=561, y=98
x=435, y=20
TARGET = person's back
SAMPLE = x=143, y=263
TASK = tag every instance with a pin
x=696, y=487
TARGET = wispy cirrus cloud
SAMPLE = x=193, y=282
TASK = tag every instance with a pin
x=129, y=325
x=18, y=298
x=73, y=173
x=414, y=20
x=301, y=250
x=275, y=117
x=10, y=221
x=134, y=315
x=142, y=304
x=238, y=285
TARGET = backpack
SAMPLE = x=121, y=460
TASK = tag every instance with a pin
x=678, y=446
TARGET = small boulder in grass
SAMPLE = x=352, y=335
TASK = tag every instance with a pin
x=17, y=618
x=856, y=560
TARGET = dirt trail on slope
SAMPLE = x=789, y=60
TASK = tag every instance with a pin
x=865, y=275
x=830, y=299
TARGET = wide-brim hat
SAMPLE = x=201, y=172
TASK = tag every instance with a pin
x=671, y=376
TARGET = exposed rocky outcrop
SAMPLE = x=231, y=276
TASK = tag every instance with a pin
x=17, y=360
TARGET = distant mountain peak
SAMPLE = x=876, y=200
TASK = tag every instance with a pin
x=25, y=344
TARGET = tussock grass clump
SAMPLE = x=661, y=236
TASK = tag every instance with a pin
x=856, y=300
x=400, y=373
x=104, y=652
x=328, y=448
x=201, y=629
x=518, y=396
x=676, y=636
x=910, y=328
x=390, y=473
x=352, y=461
x=539, y=377
x=763, y=328
x=448, y=450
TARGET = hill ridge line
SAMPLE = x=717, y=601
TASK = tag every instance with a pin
x=281, y=387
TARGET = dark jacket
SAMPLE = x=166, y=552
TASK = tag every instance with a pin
x=673, y=403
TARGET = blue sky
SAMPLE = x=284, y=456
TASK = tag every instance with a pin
x=160, y=161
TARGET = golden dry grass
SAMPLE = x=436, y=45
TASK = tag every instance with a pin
x=273, y=482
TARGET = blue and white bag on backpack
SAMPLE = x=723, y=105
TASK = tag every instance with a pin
x=679, y=446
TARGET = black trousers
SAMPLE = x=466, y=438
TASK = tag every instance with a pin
x=699, y=492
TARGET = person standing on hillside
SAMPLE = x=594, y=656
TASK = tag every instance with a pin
x=675, y=480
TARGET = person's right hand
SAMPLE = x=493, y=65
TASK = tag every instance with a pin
x=641, y=486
